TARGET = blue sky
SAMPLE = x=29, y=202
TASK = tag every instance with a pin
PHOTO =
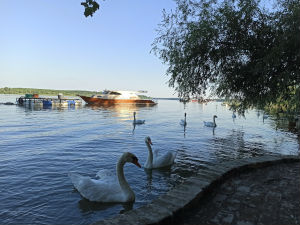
x=51, y=44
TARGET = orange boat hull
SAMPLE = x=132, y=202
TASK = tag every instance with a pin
x=100, y=101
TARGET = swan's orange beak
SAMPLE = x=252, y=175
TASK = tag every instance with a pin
x=135, y=162
x=150, y=142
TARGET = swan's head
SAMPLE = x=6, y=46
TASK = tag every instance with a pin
x=129, y=157
x=148, y=140
x=215, y=116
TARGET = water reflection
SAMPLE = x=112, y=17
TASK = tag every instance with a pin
x=234, y=146
x=122, y=111
x=258, y=114
x=212, y=129
x=39, y=107
x=87, y=206
x=134, y=125
x=284, y=124
x=155, y=176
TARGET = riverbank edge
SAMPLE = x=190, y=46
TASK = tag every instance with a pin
x=186, y=195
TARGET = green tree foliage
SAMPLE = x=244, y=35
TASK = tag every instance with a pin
x=235, y=48
x=286, y=104
x=90, y=7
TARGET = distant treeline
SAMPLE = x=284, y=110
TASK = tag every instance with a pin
x=23, y=91
x=50, y=92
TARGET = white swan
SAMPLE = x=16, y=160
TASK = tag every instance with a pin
x=265, y=116
x=183, y=122
x=135, y=121
x=156, y=161
x=211, y=124
x=107, y=189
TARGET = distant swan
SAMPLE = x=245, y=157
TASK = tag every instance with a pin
x=265, y=116
x=211, y=124
x=135, y=121
x=107, y=189
x=156, y=161
x=183, y=121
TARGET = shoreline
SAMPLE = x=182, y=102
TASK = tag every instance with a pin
x=187, y=195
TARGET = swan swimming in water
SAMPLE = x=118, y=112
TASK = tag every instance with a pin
x=135, y=121
x=107, y=188
x=154, y=160
x=233, y=115
x=265, y=116
x=211, y=124
x=183, y=121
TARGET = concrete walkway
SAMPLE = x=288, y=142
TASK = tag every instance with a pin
x=268, y=195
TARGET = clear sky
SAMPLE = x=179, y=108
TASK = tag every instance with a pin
x=50, y=44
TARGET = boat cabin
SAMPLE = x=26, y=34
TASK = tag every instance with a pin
x=117, y=95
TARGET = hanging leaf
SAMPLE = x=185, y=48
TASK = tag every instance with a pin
x=91, y=6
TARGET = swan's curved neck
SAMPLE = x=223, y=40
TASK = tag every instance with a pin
x=214, y=121
x=122, y=181
x=149, y=161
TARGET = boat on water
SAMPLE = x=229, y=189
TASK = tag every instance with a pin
x=117, y=97
x=36, y=100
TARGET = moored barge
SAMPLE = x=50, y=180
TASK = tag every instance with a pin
x=36, y=100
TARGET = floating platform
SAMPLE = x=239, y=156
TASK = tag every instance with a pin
x=48, y=102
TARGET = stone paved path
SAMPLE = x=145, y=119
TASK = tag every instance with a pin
x=269, y=195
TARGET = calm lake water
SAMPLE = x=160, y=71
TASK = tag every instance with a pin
x=39, y=147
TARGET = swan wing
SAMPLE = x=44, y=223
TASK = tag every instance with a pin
x=139, y=121
x=164, y=160
x=208, y=124
x=107, y=176
x=155, y=153
x=182, y=122
x=97, y=190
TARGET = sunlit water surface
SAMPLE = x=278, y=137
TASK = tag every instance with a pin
x=39, y=147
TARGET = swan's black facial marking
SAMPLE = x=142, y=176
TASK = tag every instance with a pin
x=134, y=158
x=148, y=140
x=135, y=161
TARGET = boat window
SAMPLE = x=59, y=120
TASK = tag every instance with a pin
x=114, y=93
